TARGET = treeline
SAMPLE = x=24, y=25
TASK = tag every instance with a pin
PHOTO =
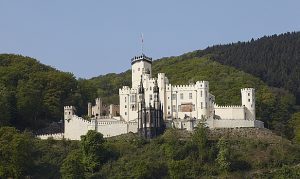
x=274, y=59
x=175, y=154
x=32, y=95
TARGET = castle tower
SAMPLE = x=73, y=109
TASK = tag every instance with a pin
x=202, y=99
x=140, y=65
x=248, y=100
x=69, y=111
x=90, y=109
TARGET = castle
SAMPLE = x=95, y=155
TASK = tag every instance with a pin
x=153, y=103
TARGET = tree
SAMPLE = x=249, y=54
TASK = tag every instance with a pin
x=199, y=139
x=294, y=123
x=223, y=156
x=72, y=166
x=16, y=153
x=94, y=151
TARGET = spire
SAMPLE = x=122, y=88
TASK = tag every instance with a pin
x=155, y=88
x=141, y=88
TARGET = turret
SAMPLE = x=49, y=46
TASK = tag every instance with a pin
x=140, y=65
x=90, y=109
x=248, y=100
x=69, y=111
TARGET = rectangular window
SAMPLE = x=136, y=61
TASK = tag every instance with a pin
x=150, y=96
x=194, y=108
x=125, y=99
x=181, y=95
x=133, y=98
x=201, y=105
x=248, y=94
x=248, y=100
x=191, y=96
x=173, y=96
x=125, y=106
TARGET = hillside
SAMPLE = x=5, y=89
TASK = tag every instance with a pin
x=274, y=59
x=33, y=94
x=273, y=106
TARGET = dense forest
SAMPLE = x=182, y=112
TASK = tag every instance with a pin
x=33, y=94
x=175, y=154
x=274, y=59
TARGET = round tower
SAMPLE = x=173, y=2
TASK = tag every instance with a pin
x=140, y=65
x=203, y=99
x=248, y=100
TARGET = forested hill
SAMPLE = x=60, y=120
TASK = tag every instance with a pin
x=274, y=59
x=32, y=95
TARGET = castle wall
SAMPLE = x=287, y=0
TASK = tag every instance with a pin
x=236, y=123
x=75, y=127
x=56, y=136
x=230, y=112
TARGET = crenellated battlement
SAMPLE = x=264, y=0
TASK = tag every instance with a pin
x=124, y=90
x=229, y=106
x=69, y=108
x=247, y=89
x=183, y=87
x=140, y=58
x=55, y=136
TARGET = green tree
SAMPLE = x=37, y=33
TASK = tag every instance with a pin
x=16, y=153
x=94, y=151
x=223, y=156
x=72, y=166
x=294, y=123
x=199, y=139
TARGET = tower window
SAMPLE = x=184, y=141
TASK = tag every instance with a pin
x=125, y=106
x=125, y=113
x=248, y=94
x=248, y=100
x=150, y=96
x=173, y=96
x=201, y=105
x=191, y=96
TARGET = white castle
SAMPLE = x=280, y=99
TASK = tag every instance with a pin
x=183, y=107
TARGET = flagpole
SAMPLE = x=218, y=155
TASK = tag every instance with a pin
x=142, y=45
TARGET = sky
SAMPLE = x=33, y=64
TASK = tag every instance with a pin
x=91, y=38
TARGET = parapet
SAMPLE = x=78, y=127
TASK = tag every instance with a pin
x=247, y=89
x=183, y=87
x=69, y=108
x=142, y=57
x=228, y=106
x=124, y=90
x=202, y=84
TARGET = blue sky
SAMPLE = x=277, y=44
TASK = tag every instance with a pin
x=90, y=38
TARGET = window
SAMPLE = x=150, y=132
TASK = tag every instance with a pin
x=248, y=100
x=125, y=99
x=174, y=96
x=248, y=94
x=201, y=105
x=150, y=88
x=174, y=108
x=205, y=93
x=125, y=106
x=181, y=95
x=191, y=96
x=194, y=108
x=125, y=113
x=133, y=98
x=168, y=107
x=150, y=96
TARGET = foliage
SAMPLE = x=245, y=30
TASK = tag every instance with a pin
x=93, y=150
x=32, y=95
x=16, y=151
x=295, y=125
x=199, y=139
x=223, y=156
x=72, y=166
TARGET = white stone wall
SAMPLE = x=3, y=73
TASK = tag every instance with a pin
x=235, y=123
x=230, y=112
x=57, y=136
x=76, y=127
